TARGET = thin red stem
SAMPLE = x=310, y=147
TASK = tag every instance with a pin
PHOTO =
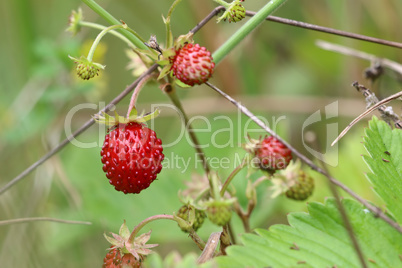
x=145, y=222
x=136, y=92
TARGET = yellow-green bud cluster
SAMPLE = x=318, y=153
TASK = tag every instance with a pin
x=86, y=72
x=234, y=13
x=86, y=69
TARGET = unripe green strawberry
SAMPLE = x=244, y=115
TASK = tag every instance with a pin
x=219, y=211
x=199, y=217
x=234, y=12
x=87, y=69
x=293, y=182
x=302, y=188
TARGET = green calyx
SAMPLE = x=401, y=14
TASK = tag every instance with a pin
x=138, y=248
x=168, y=54
x=190, y=217
x=74, y=21
x=302, y=189
x=108, y=120
x=234, y=12
x=86, y=69
x=293, y=182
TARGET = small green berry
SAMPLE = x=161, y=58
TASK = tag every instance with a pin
x=199, y=217
x=295, y=183
x=219, y=212
x=234, y=13
x=302, y=188
x=87, y=69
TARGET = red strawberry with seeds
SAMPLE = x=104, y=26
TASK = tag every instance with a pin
x=131, y=157
x=192, y=64
x=115, y=259
x=272, y=154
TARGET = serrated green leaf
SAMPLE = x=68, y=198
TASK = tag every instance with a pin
x=174, y=260
x=384, y=147
x=319, y=239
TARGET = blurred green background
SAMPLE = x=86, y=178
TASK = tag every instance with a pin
x=276, y=71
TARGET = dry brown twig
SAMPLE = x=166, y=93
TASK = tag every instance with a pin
x=380, y=105
x=392, y=65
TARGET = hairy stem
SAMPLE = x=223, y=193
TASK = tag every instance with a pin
x=232, y=175
x=145, y=222
x=197, y=239
x=99, y=37
x=377, y=211
x=223, y=3
x=102, y=27
x=342, y=211
x=169, y=36
x=136, y=92
x=176, y=101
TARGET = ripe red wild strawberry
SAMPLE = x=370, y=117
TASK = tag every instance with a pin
x=192, y=64
x=272, y=154
x=131, y=157
x=115, y=259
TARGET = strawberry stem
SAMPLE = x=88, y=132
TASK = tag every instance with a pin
x=197, y=239
x=222, y=3
x=251, y=24
x=194, y=236
x=99, y=37
x=169, y=35
x=102, y=27
x=136, y=92
x=145, y=222
x=232, y=175
x=132, y=36
x=176, y=101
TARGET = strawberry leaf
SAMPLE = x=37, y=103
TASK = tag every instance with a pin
x=384, y=147
x=174, y=260
x=319, y=239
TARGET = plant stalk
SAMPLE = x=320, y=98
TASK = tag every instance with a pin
x=134, y=38
x=102, y=27
x=99, y=37
x=232, y=175
x=246, y=29
x=145, y=222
